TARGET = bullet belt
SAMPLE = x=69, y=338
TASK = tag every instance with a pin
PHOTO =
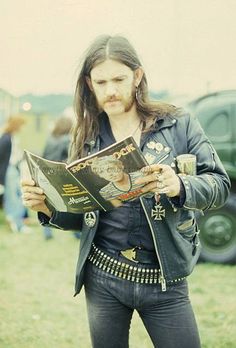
x=121, y=269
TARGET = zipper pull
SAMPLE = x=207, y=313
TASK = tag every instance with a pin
x=162, y=281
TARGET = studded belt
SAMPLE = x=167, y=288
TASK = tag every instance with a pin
x=123, y=269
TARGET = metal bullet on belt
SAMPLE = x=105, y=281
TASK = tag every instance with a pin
x=109, y=264
x=95, y=256
x=103, y=262
x=151, y=276
x=99, y=257
x=147, y=278
x=130, y=271
x=114, y=266
x=143, y=275
x=155, y=279
x=125, y=272
x=121, y=270
x=117, y=268
x=138, y=278
x=134, y=274
x=107, y=259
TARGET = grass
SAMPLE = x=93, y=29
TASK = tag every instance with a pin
x=38, y=310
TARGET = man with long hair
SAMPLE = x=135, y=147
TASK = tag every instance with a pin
x=137, y=256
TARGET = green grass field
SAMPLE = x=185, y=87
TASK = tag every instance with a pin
x=38, y=310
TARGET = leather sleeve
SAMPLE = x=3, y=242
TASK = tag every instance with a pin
x=210, y=188
x=62, y=220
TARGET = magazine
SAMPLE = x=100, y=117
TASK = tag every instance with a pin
x=103, y=180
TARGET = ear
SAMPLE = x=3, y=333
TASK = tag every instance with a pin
x=89, y=83
x=138, y=75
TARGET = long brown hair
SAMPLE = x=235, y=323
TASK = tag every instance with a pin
x=87, y=125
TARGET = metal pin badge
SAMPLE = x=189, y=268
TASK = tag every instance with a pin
x=158, y=212
x=90, y=219
x=159, y=147
x=149, y=157
x=151, y=145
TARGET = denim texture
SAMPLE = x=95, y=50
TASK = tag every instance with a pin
x=111, y=301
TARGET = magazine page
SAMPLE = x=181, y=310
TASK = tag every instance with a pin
x=62, y=190
x=109, y=175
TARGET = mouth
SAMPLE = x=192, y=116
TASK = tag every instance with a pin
x=112, y=102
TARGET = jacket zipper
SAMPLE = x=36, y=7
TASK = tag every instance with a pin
x=161, y=278
x=163, y=158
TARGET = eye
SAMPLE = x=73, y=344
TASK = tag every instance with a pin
x=100, y=82
x=120, y=79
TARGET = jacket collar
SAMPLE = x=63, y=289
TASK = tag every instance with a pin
x=164, y=122
x=161, y=122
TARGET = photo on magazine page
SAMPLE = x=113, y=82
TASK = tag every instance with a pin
x=110, y=174
x=63, y=192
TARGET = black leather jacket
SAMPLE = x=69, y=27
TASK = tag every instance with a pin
x=175, y=236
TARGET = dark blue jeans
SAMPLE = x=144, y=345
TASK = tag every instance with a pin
x=168, y=316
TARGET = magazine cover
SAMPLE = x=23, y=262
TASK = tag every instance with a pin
x=110, y=174
x=101, y=181
x=63, y=192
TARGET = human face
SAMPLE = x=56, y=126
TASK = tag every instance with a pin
x=113, y=84
x=111, y=172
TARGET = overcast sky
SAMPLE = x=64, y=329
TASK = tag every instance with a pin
x=185, y=45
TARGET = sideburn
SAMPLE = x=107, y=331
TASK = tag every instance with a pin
x=131, y=101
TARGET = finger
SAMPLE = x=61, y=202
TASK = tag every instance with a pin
x=165, y=169
x=27, y=182
x=32, y=189
x=152, y=187
x=32, y=203
x=161, y=187
x=154, y=176
x=33, y=196
x=145, y=179
x=151, y=168
x=156, y=168
x=165, y=190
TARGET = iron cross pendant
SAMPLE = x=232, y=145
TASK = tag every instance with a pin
x=158, y=212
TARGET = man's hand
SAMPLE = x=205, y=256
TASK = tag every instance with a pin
x=33, y=197
x=160, y=178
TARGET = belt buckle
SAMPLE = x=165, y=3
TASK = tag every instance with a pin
x=130, y=254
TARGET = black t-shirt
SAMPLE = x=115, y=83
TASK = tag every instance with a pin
x=126, y=226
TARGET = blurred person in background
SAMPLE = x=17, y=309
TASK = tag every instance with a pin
x=10, y=162
x=58, y=141
x=5, y=153
x=137, y=256
x=56, y=149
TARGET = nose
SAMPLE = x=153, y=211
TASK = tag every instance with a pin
x=110, y=89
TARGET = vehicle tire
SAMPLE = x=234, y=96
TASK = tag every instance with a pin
x=218, y=234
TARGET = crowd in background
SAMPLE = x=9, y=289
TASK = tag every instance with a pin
x=13, y=167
